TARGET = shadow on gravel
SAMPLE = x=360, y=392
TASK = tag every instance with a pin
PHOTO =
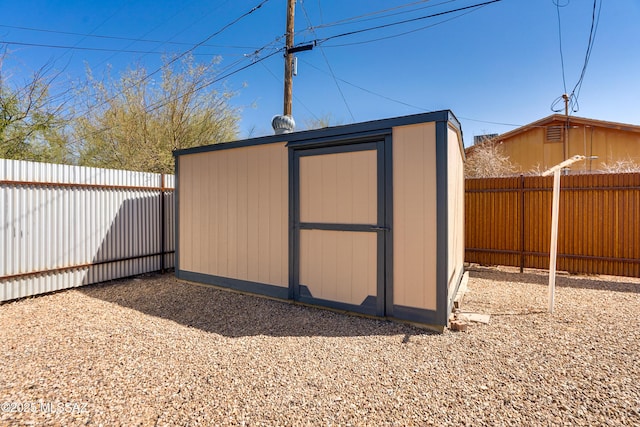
x=233, y=314
x=622, y=284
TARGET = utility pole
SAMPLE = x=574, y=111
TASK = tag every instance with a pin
x=566, y=104
x=288, y=61
x=565, y=134
x=285, y=123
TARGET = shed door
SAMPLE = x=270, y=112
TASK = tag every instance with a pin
x=339, y=226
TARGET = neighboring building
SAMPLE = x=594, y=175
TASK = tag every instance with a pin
x=549, y=141
x=479, y=139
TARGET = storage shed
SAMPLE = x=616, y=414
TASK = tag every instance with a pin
x=367, y=217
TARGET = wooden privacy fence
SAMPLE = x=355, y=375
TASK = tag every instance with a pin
x=508, y=222
x=65, y=226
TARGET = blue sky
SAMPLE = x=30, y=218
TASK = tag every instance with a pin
x=492, y=66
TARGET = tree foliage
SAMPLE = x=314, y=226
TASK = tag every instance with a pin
x=321, y=122
x=621, y=166
x=488, y=160
x=134, y=122
x=31, y=122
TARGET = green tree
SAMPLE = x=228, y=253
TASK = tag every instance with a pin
x=135, y=122
x=31, y=122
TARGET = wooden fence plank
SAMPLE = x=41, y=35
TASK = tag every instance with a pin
x=508, y=222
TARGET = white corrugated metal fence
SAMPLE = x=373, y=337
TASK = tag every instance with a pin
x=65, y=226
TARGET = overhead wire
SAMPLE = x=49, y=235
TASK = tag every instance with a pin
x=71, y=49
x=163, y=103
x=96, y=49
x=410, y=31
x=203, y=86
x=162, y=43
x=134, y=40
x=572, y=97
x=147, y=76
x=367, y=16
x=197, y=45
x=564, y=80
x=216, y=80
x=405, y=21
x=369, y=91
x=97, y=27
x=595, y=20
x=467, y=9
x=375, y=15
x=344, y=99
x=320, y=10
x=294, y=96
x=416, y=107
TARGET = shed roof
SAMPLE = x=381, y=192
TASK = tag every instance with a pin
x=299, y=137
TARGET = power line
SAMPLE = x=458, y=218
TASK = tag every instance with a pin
x=371, y=15
x=96, y=49
x=595, y=19
x=183, y=54
x=197, y=45
x=368, y=16
x=162, y=43
x=344, y=99
x=370, y=91
x=102, y=36
x=572, y=98
x=294, y=96
x=408, y=32
x=321, y=14
x=564, y=80
x=179, y=97
x=203, y=86
x=406, y=21
x=411, y=105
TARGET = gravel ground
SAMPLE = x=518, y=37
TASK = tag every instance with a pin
x=156, y=351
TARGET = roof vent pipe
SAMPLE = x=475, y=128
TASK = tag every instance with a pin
x=283, y=124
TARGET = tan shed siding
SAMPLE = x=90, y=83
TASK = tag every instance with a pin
x=414, y=216
x=234, y=213
x=455, y=172
x=339, y=188
x=338, y=265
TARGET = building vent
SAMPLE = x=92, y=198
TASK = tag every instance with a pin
x=479, y=139
x=554, y=133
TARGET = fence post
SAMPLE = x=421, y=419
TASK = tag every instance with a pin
x=522, y=226
x=162, y=224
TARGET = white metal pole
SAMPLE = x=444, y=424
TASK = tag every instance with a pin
x=555, y=208
x=554, y=237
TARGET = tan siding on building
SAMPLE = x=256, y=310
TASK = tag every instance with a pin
x=414, y=216
x=338, y=265
x=339, y=188
x=234, y=213
x=529, y=150
x=455, y=172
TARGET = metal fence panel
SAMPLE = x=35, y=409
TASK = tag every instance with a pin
x=64, y=226
x=508, y=222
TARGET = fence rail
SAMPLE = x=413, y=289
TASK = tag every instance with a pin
x=65, y=226
x=508, y=222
